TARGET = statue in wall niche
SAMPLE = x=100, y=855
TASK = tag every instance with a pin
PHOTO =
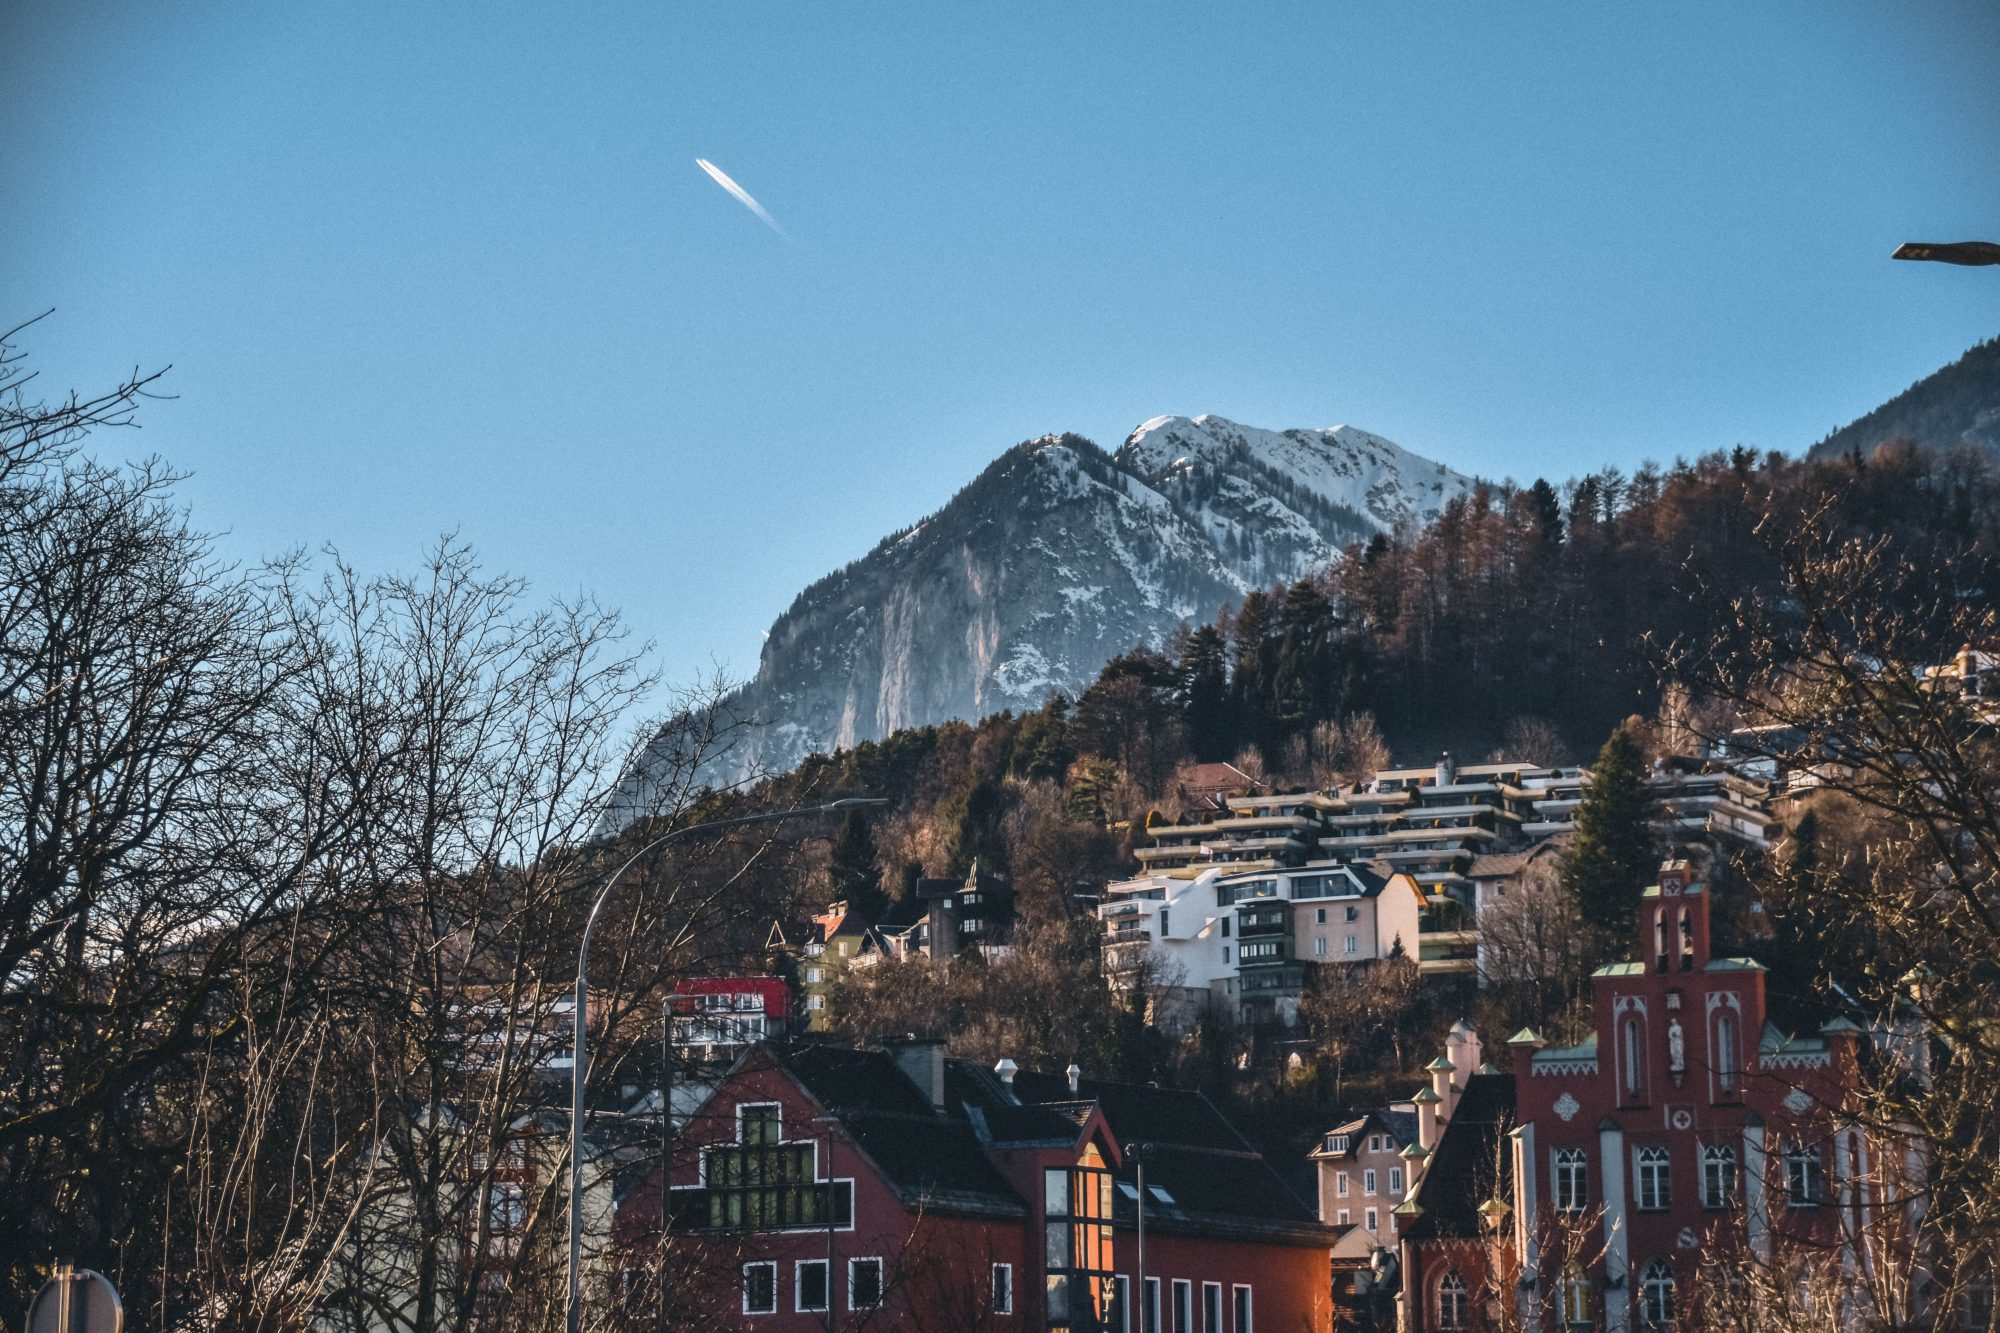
x=1676, y=1048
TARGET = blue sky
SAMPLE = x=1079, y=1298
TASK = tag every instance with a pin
x=423, y=267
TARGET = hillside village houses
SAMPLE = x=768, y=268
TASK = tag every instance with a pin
x=1245, y=891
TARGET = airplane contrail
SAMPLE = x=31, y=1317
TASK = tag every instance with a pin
x=721, y=177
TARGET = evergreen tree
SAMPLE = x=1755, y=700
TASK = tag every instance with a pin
x=1304, y=672
x=1042, y=747
x=972, y=819
x=1204, y=671
x=851, y=870
x=1611, y=859
x=1253, y=684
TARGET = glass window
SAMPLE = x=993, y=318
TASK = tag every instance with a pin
x=1211, y=1307
x=1656, y=1294
x=1574, y=1296
x=1369, y=1218
x=810, y=1284
x=1396, y=1180
x=1319, y=916
x=1718, y=1176
x=1350, y=945
x=1077, y=1248
x=1655, y=1182
x=1183, y=1305
x=864, y=1284
x=1728, y=1068
x=1121, y=1305
x=1152, y=1319
x=1633, y=1061
x=1243, y=1311
x=758, y=1125
x=1452, y=1303
x=1340, y=1183
x=1368, y=1181
x=760, y=1288
x=1572, y=1180
x=1805, y=1182
x=1003, y=1289
x=1319, y=947
x=1353, y=914
x=506, y=1209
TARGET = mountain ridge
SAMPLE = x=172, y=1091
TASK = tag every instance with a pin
x=1055, y=558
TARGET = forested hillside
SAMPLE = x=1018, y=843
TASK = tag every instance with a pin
x=1959, y=404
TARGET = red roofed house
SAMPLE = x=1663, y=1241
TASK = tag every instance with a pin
x=912, y=1191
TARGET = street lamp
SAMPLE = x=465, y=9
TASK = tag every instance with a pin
x=577, y=1061
x=1138, y=1153
x=1971, y=253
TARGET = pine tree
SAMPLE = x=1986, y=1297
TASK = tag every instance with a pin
x=1204, y=672
x=1611, y=859
x=851, y=870
x=1304, y=673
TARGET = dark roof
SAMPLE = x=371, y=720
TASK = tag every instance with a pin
x=1499, y=865
x=1470, y=1163
x=929, y=1157
x=1217, y=1181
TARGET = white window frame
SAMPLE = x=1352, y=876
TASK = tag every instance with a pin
x=1372, y=1220
x=1242, y=1298
x=799, y=1267
x=1211, y=1304
x=1155, y=1307
x=1570, y=1169
x=1319, y=947
x=1652, y=1165
x=1721, y=1157
x=1453, y=1319
x=1396, y=1181
x=1350, y=946
x=1804, y=1167
x=1183, y=1311
x=1657, y=1277
x=1340, y=1185
x=1368, y=1179
x=1122, y=1285
x=1344, y=1217
x=1002, y=1292
x=881, y=1281
x=744, y=1276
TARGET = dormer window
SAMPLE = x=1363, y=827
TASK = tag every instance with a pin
x=1336, y=1143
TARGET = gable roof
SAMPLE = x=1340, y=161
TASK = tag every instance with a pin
x=930, y=1159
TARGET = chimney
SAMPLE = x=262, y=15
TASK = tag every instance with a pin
x=1427, y=1118
x=1075, y=1075
x=1442, y=1087
x=1447, y=771
x=1464, y=1051
x=922, y=1061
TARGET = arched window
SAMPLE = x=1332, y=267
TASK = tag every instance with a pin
x=1718, y=1176
x=1572, y=1180
x=1454, y=1304
x=1656, y=1294
x=1656, y=1186
x=1573, y=1297
x=1687, y=939
x=1728, y=1067
x=1634, y=1061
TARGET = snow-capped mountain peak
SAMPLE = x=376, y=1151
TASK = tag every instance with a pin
x=1057, y=558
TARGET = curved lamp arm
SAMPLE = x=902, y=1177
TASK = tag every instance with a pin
x=575, y=1296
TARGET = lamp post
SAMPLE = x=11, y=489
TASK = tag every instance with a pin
x=1969, y=253
x=1137, y=1152
x=577, y=1061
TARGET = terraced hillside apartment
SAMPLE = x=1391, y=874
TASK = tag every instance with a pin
x=1448, y=838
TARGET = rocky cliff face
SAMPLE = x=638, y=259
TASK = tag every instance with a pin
x=1058, y=558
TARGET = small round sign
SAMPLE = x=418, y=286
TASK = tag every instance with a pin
x=76, y=1300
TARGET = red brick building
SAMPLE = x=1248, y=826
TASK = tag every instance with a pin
x=912, y=1191
x=1588, y=1186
